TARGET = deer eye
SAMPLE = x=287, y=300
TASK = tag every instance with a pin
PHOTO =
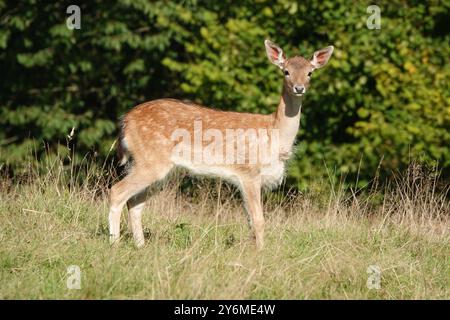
x=286, y=73
x=309, y=74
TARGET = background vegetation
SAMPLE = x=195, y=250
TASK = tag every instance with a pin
x=383, y=100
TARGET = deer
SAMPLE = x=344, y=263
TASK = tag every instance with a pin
x=146, y=145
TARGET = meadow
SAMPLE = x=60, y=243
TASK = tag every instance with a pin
x=319, y=245
x=356, y=218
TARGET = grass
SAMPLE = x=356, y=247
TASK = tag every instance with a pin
x=317, y=247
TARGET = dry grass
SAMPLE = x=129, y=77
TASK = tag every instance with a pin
x=197, y=247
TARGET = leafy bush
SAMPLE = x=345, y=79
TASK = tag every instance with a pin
x=382, y=101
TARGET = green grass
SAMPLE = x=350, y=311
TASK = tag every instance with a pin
x=201, y=248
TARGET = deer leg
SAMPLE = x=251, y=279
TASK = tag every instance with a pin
x=135, y=206
x=251, y=191
x=133, y=184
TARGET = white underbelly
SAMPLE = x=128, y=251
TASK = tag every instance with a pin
x=271, y=175
x=209, y=170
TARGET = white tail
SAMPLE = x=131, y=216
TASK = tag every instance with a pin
x=246, y=149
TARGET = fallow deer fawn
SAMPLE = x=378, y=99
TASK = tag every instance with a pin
x=156, y=137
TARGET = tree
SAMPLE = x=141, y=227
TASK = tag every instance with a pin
x=383, y=98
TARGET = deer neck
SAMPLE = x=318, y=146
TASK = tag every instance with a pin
x=287, y=120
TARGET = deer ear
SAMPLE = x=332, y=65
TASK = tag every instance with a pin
x=275, y=54
x=321, y=57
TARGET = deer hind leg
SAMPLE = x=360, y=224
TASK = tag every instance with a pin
x=251, y=191
x=135, y=206
x=133, y=184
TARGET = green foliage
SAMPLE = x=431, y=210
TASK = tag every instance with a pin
x=382, y=100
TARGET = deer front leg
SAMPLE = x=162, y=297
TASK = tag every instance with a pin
x=251, y=191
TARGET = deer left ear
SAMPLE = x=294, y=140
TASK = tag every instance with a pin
x=321, y=57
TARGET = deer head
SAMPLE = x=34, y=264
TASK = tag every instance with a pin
x=297, y=70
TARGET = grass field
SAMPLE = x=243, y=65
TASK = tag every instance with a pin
x=318, y=246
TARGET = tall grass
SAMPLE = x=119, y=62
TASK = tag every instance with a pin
x=198, y=245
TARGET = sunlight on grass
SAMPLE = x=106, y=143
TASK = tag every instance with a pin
x=316, y=247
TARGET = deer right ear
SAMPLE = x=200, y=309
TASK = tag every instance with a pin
x=275, y=54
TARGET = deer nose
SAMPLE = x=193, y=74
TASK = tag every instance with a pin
x=299, y=89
